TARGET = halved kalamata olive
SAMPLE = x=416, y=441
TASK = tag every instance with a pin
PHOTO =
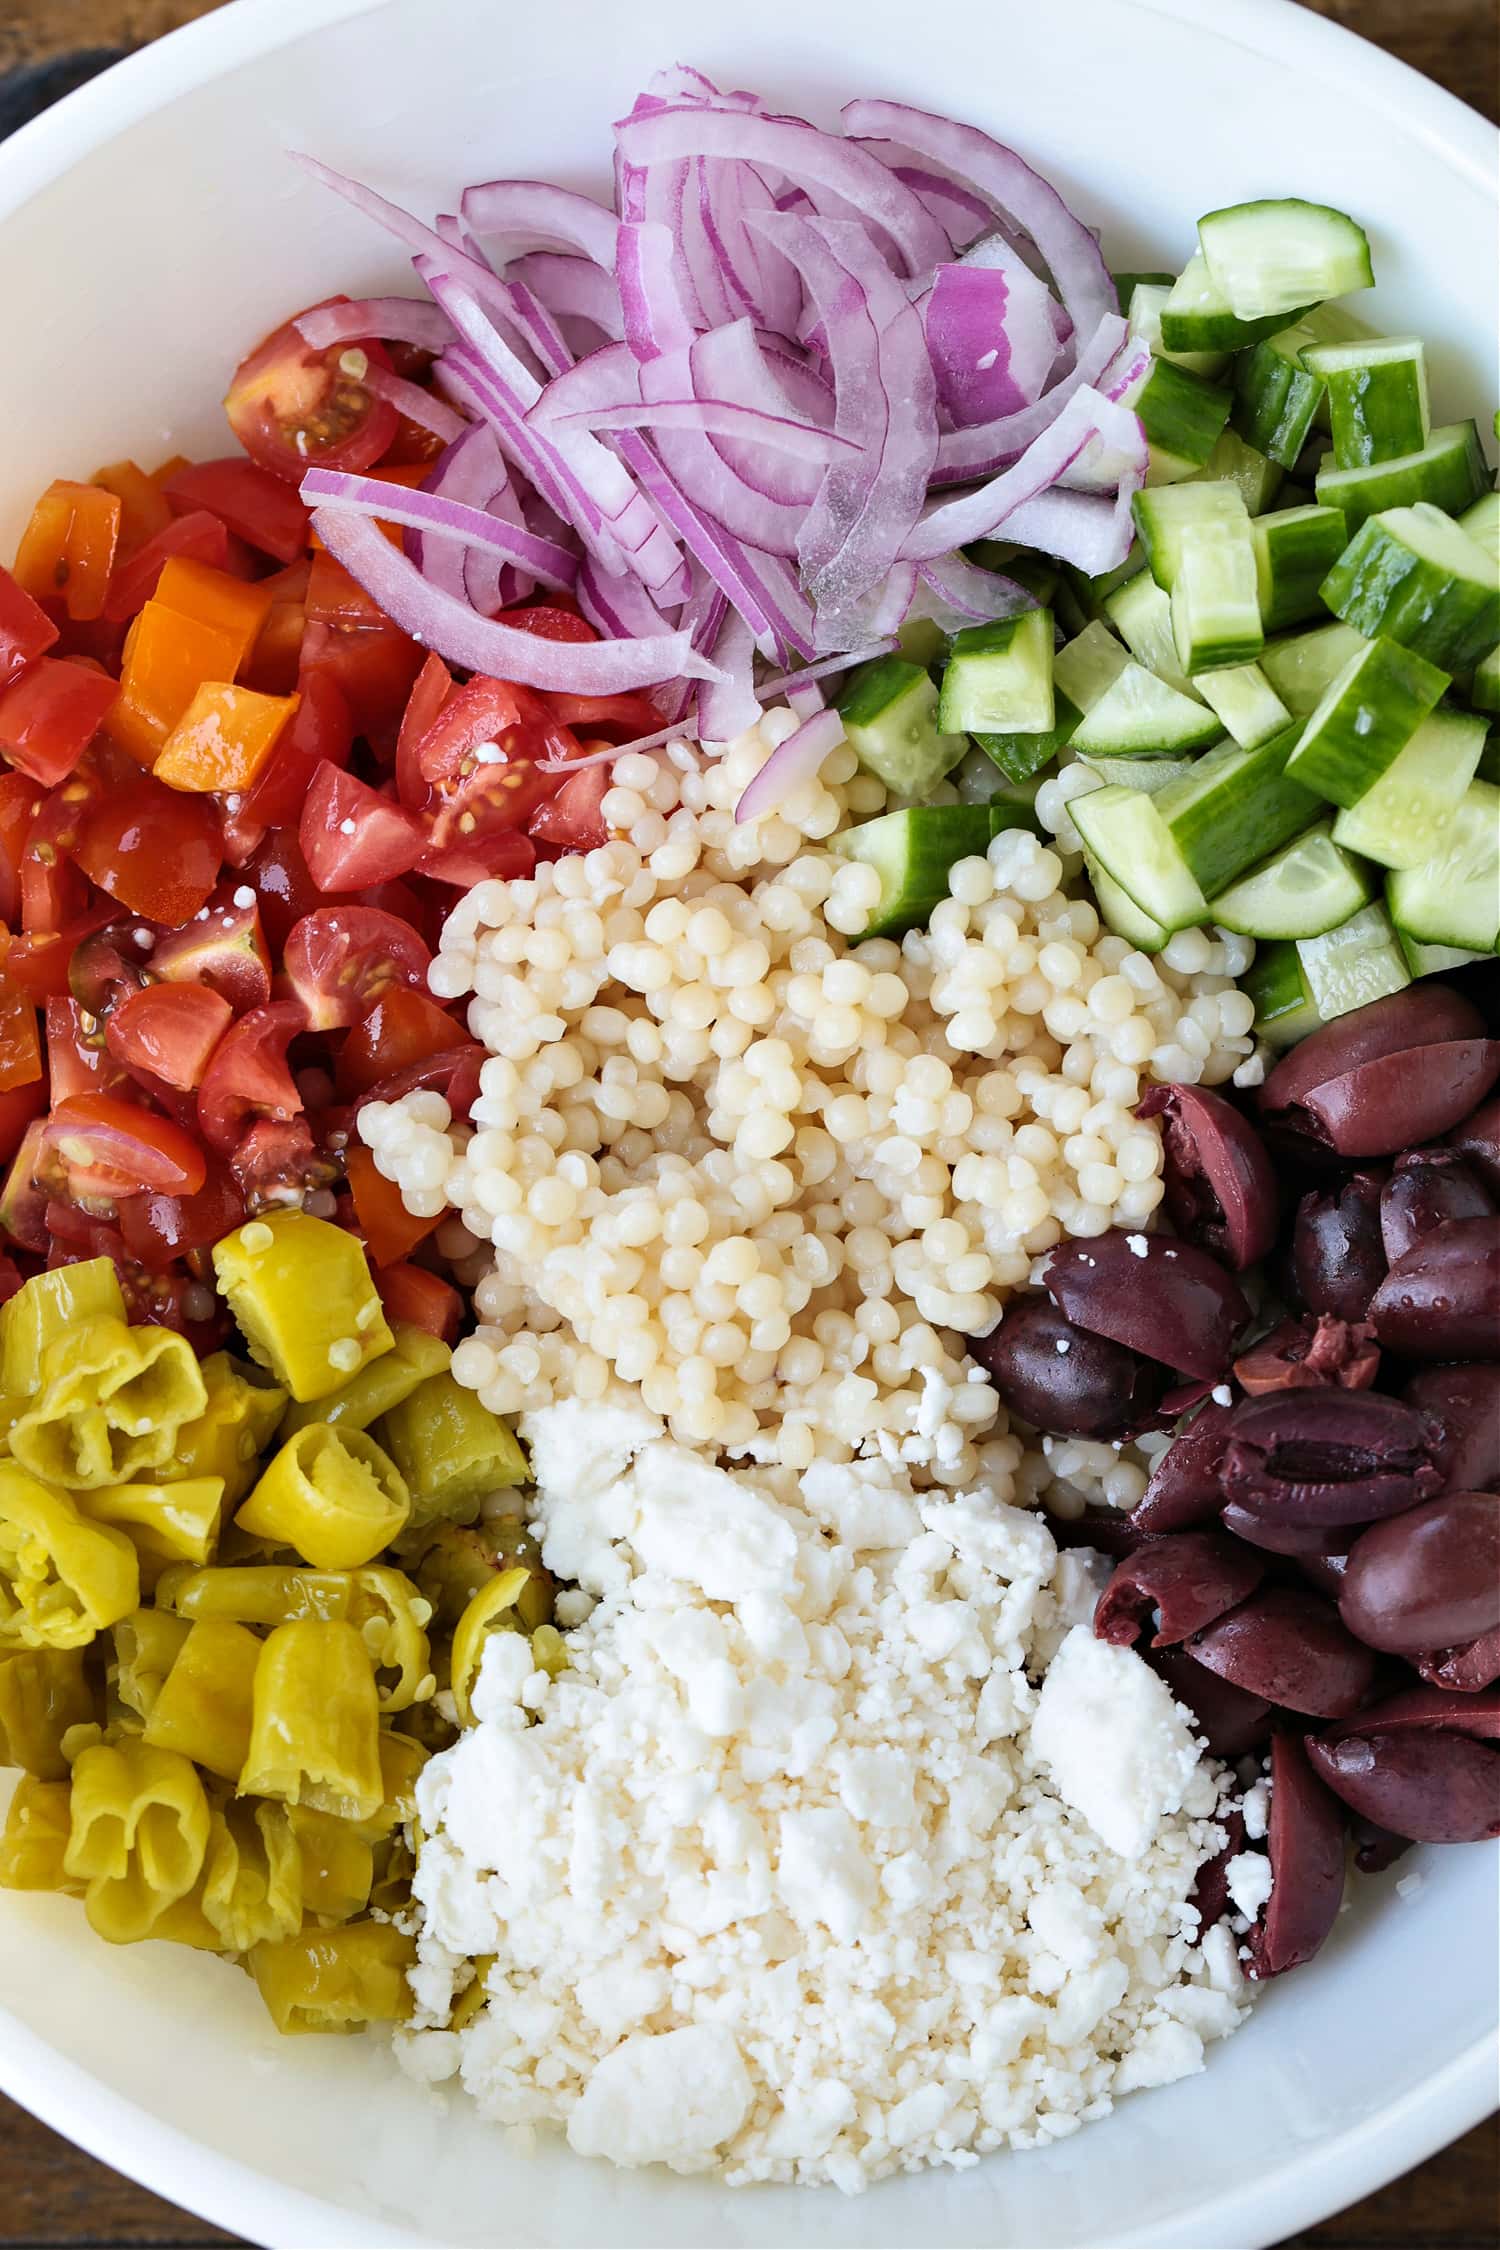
x=1210, y=1893
x=1317, y=1353
x=1427, y=1579
x=1437, y=1788
x=1185, y=1583
x=1306, y=1843
x=1442, y=1300
x=1338, y=1256
x=1064, y=1378
x=1289, y=1645
x=1478, y=1138
x=1297, y=1539
x=1230, y=1720
x=1461, y=1401
x=1398, y=1071
x=1325, y=1458
x=1426, y=1708
x=1467, y=1669
x=1109, y=1531
x=1326, y=1572
x=1167, y=1300
x=1184, y=1487
x=1220, y=1186
x=1376, y=1848
x=1427, y=1186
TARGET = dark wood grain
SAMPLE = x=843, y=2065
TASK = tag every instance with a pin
x=53, y=2195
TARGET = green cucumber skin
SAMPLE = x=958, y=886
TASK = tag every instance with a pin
x=1407, y=816
x=1327, y=251
x=1383, y=588
x=1019, y=756
x=1124, y=825
x=1449, y=473
x=920, y=755
x=1295, y=548
x=1256, y=907
x=1275, y=400
x=1182, y=413
x=1454, y=898
x=1285, y=1010
x=999, y=677
x=1234, y=809
x=1119, y=912
x=1365, y=720
x=1201, y=320
x=914, y=852
x=1377, y=411
x=1484, y=688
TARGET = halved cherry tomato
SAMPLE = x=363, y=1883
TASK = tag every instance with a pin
x=154, y=850
x=50, y=715
x=67, y=550
x=255, y=507
x=550, y=621
x=157, y=1229
x=617, y=718
x=352, y=837
x=434, y=686
x=278, y=875
x=453, y=1072
x=26, y=631
x=294, y=409
x=335, y=597
x=390, y=1231
x=412, y=1295
x=169, y=1030
x=503, y=854
x=279, y=1163
x=402, y=1027
x=197, y=536
x=494, y=716
x=321, y=732
x=143, y=511
x=223, y=948
x=111, y=1147
x=20, y=1047
x=18, y=1109
x=375, y=665
x=40, y=964
x=574, y=819
x=340, y=960
x=76, y=1059
x=109, y=964
x=249, y=1076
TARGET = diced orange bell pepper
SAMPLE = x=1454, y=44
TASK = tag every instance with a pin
x=213, y=597
x=143, y=511
x=167, y=659
x=67, y=550
x=223, y=738
x=20, y=1046
x=169, y=468
x=389, y=1229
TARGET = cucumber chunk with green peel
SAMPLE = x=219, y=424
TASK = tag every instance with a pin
x=1143, y=319
x=1149, y=774
x=1377, y=397
x=1278, y=255
x=1164, y=514
x=1215, y=598
x=1248, y=707
x=1196, y=316
x=1413, y=575
x=1276, y=400
x=1119, y=912
x=1358, y=962
x=1367, y=714
x=921, y=640
x=1127, y=711
x=913, y=852
x=1301, y=665
x=999, y=677
x=1309, y=886
x=1448, y=472
x=890, y=716
x=1020, y=755
x=1484, y=687
x=1182, y=415
x=1141, y=614
x=1454, y=897
x=980, y=782
x=1408, y=814
x=1295, y=548
x=1482, y=524
x=1233, y=808
x=1285, y=1010
x=1257, y=478
x=1433, y=960
x=1125, y=834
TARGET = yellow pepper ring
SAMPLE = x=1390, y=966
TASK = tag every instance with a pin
x=482, y=1615
x=332, y=1495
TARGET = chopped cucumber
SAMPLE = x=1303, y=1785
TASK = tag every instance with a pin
x=890, y=716
x=1197, y=317
x=1484, y=687
x=1149, y=774
x=1295, y=548
x=1300, y=666
x=1368, y=713
x=980, y=782
x=1448, y=472
x=1126, y=285
x=1275, y=256
x=1232, y=809
x=1163, y=514
x=1126, y=710
x=1358, y=962
x=1124, y=834
x=1119, y=912
x=1142, y=616
x=1248, y=706
x=1020, y=755
x=1259, y=479
x=1432, y=960
x=921, y=640
x=999, y=677
x=1413, y=575
x=1275, y=396
x=1482, y=523
x=1182, y=416
x=1454, y=897
x=1215, y=598
x=1285, y=1010
x=1094, y=593
x=1143, y=318
x=1299, y=892
x=913, y=852
x=1408, y=814
x=1377, y=397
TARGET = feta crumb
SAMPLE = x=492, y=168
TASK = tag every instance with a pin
x=1222, y=1395
x=243, y=895
x=1118, y=1748
x=1248, y=1880
x=1136, y=1245
x=1412, y=1885
x=671, y=2097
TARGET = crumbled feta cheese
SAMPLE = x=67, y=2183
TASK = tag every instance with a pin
x=1248, y=1881
x=669, y=2097
x=1118, y=1748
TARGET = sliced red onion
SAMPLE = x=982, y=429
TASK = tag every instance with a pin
x=417, y=404
x=657, y=317
x=806, y=701
x=393, y=320
x=802, y=440
x=618, y=605
x=438, y=622
x=1088, y=530
x=572, y=289
x=991, y=337
x=959, y=212
x=442, y=518
x=879, y=611
x=728, y=707
x=964, y=455
x=532, y=211
x=473, y=470
x=1087, y=417
x=612, y=752
x=790, y=764
x=970, y=596
x=825, y=668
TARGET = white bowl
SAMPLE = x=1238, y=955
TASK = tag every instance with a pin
x=152, y=230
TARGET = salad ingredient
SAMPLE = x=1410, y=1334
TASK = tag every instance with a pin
x=302, y=1294
x=1328, y=1457
x=294, y=408
x=1306, y=1847
x=1427, y=1579
x=1338, y=1251
x=1405, y=1069
x=1438, y=1300
x=1163, y=1298
x=851, y=1852
x=331, y=1495
x=1052, y=1372
x=1287, y=1645
x=1180, y=1585
x=1220, y=1185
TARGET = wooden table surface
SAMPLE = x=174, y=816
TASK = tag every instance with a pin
x=50, y=2194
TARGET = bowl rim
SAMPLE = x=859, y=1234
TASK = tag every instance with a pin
x=158, y=2156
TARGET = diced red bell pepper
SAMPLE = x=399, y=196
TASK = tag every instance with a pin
x=198, y=537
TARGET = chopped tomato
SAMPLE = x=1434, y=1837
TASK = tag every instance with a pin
x=50, y=715
x=76, y=1059
x=452, y=1072
x=352, y=837
x=417, y=1298
x=168, y=657
x=53, y=892
x=154, y=850
x=335, y=597
x=19, y=799
x=197, y=537
x=574, y=820
x=143, y=511
x=375, y=665
x=389, y=1229
x=276, y=657
x=168, y=1030
x=258, y=508
x=487, y=728
x=295, y=409
x=109, y=964
x=20, y=1046
x=222, y=949
x=434, y=685
x=26, y=631
x=23, y=1205
x=157, y=1229
x=225, y=738
x=503, y=854
x=617, y=718
x=18, y=1108
x=249, y=1076
x=39, y=964
x=402, y=1027
x=550, y=621
x=278, y=875
x=279, y=1163
x=321, y=732
x=67, y=550
x=111, y=1147
x=340, y=960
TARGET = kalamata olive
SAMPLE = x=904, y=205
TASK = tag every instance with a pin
x=1427, y=1579
x=1210, y=1893
x=1476, y=1665
x=1289, y=1645
x=1398, y=1071
x=1184, y=1487
x=1442, y=1300
x=1437, y=1788
x=1427, y=1186
x=1326, y=1572
x=1297, y=1539
x=1426, y=1708
x=1306, y=1842
x=1478, y=1138
x=1167, y=1300
x=1325, y=1458
x=1185, y=1583
x=1230, y=1720
x=1317, y=1353
x=1461, y=1401
x=1109, y=1531
x=1375, y=1848
x=1220, y=1185
x=1338, y=1256
x=1064, y=1378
